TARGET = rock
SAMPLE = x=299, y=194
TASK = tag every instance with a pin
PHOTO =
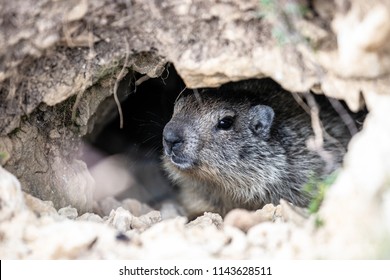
x=120, y=219
x=13, y=243
x=90, y=217
x=170, y=238
x=174, y=240
x=269, y=237
x=11, y=196
x=362, y=228
x=271, y=212
x=68, y=212
x=123, y=220
x=362, y=36
x=293, y=213
x=135, y=207
x=244, y=219
x=40, y=207
x=146, y=221
x=206, y=220
x=236, y=245
x=71, y=240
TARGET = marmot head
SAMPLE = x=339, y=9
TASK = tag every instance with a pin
x=211, y=135
x=244, y=145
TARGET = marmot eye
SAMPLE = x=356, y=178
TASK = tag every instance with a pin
x=225, y=123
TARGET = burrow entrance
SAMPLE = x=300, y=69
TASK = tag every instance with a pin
x=126, y=162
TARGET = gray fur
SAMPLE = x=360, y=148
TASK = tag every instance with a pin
x=262, y=158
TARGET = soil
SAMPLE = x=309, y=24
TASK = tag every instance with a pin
x=64, y=67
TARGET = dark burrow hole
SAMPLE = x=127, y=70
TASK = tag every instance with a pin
x=126, y=163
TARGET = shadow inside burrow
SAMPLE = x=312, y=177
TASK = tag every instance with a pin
x=126, y=162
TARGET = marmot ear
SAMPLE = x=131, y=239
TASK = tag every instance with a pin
x=261, y=118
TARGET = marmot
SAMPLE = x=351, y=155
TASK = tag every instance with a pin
x=244, y=145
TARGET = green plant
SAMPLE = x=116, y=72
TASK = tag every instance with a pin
x=283, y=18
x=317, y=189
x=2, y=155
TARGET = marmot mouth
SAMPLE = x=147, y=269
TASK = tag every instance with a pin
x=180, y=162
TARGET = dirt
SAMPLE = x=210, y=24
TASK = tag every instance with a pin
x=60, y=62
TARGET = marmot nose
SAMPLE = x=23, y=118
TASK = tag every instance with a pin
x=173, y=140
